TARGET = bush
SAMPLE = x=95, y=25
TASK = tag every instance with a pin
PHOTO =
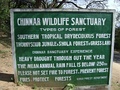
x=117, y=39
x=4, y=16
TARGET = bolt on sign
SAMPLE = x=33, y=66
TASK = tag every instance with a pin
x=52, y=48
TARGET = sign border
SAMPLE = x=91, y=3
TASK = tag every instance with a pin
x=62, y=10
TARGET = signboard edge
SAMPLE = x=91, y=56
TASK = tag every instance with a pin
x=66, y=10
x=13, y=46
x=81, y=10
x=112, y=51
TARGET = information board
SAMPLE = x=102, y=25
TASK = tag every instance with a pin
x=57, y=47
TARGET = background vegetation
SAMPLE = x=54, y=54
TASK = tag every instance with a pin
x=117, y=39
x=6, y=5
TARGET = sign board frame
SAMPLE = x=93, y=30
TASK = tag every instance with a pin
x=59, y=10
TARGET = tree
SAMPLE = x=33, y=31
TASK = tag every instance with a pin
x=99, y=4
x=6, y=5
x=96, y=4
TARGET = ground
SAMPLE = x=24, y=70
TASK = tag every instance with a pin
x=7, y=71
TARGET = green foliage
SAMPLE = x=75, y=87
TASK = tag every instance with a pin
x=20, y=84
x=5, y=6
x=4, y=16
x=35, y=87
x=69, y=86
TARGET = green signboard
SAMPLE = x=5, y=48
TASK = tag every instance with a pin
x=57, y=47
